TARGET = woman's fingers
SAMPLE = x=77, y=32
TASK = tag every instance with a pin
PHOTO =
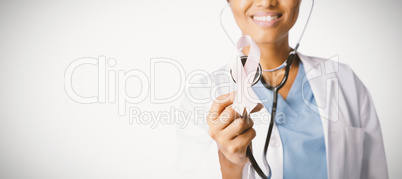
x=244, y=139
x=231, y=132
x=226, y=118
x=221, y=106
x=235, y=149
x=220, y=103
x=237, y=127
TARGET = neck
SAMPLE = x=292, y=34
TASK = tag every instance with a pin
x=272, y=54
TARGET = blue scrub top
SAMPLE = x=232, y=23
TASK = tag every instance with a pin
x=300, y=129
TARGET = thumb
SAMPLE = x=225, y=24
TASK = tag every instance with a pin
x=257, y=108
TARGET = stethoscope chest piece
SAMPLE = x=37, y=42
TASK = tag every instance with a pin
x=258, y=74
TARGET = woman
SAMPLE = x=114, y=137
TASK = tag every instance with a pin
x=326, y=125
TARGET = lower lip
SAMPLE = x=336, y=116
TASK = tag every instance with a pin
x=267, y=23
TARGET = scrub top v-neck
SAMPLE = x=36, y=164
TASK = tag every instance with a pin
x=300, y=129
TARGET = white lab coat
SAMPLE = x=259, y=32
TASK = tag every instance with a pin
x=353, y=138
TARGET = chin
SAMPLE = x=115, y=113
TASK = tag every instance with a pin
x=264, y=38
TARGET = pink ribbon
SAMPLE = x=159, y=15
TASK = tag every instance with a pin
x=245, y=98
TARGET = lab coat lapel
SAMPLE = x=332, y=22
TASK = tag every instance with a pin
x=319, y=77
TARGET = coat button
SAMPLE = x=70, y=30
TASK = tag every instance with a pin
x=274, y=141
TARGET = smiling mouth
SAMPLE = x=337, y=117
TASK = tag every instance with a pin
x=266, y=18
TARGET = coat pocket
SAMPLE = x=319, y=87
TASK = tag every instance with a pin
x=346, y=152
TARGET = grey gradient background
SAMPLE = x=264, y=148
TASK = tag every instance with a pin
x=46, y=135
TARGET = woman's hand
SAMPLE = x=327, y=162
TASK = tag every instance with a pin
x=231, y=132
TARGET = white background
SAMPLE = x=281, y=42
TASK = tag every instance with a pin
x=45, y=134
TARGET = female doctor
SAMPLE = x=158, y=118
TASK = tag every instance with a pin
x=326, y=125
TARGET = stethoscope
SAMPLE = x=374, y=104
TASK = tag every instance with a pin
x=275, y=89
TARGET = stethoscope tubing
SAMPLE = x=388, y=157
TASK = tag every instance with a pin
x=275, y=90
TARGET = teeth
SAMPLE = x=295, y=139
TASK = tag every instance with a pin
x=265, y=18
